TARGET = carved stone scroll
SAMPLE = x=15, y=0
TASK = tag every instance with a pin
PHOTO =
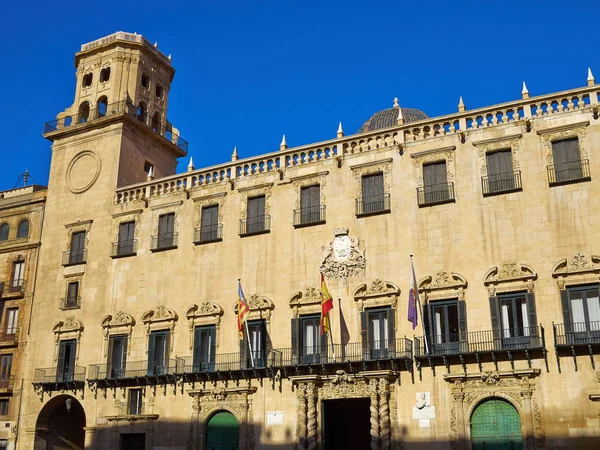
x=120, y=323
x=307, y=302
x=379, y=293
x=580, y=268
x=206, y=313
x=511, y=275
x=71, y=328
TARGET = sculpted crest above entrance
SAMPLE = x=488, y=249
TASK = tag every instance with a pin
x=343, y=257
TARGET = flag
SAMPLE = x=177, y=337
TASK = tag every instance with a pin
x=326, y=306
x=413, y=298
x=243, y=310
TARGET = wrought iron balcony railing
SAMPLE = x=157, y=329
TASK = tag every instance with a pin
x=131, y=370
x=255, y=225
x=117, y=109
x=14, y=288
x=165, y=241
x=375, y=204
x=579, y=333
x=70, y=303
x=55, y=375
x=208, y=233
x=76, y=256
x=10, y=335
x=221, y=362
x=121, y=249
x=501, y=183
x=312, y=215
x=568, y=172
x=7, y=384
x=435, y=194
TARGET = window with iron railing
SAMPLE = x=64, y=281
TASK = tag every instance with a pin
x=126, y=244
x=77, y=252
x=501, y=177
x=72, y=300
x=436, y=188
x=567, y=165
x=373, y=199
x=167, y=236
x=210, y=230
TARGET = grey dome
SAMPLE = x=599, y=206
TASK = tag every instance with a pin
x=389, y=117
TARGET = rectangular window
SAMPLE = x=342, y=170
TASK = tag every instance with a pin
x=3, y=444
x=166, y=231
x=17, y=277
x=567, y=162
x=134, y=402
x=204, y=348
x=378, y=333
x=435, y=183
x=373, y=195
x=585, y=309
x=72, y=295
x=126, y=243
x=514, y=316
x=255, y=350
x=500, y=174
x=310, y=204
x=133, y=441
x=148, y=166
x=158, y=353
x=4, y=404
x=209, y=223
x=77, y=249
x=5, y=367
x=12, y=319
x=255, y=220
x=117, y=357
x=310, y=339
x=444, y=327
x=65, y=369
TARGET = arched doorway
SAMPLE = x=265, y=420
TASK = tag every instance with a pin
x=496, y=425
x=60, y=425
x=222, y=432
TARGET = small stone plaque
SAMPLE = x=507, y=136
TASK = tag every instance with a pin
x=424, y=423
x=274, y=417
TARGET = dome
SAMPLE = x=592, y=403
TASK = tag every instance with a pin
x=389, y=118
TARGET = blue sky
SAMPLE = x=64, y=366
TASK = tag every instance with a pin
x=250, y=71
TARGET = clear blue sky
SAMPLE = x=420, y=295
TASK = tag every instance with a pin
x=248, y=72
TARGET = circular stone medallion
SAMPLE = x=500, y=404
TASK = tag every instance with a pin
x=83, y=171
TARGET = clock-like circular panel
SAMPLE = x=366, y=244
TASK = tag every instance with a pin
x=83, y=171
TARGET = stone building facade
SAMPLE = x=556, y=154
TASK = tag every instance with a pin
x=497, y=206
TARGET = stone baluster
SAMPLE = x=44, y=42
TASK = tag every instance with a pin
x=374, y=409
x=311, y=433
x=301, y=418
x=384, y=414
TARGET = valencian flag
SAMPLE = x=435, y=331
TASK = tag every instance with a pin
x=243, y=310
x=413, y=297
x=326, y=306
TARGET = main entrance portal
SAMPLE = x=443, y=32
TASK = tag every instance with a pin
x=346, y=424
x=496, y=425
x=222, y=432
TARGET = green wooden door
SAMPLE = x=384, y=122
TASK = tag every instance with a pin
x=496, y=425
x=222, y=432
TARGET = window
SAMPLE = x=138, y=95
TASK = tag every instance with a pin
x=102, y=106
x=310, y=205
x=5, y=369
x=158, y=353
x=166, y=231
x=445, y=326
x=209, y=224
x=567, y=163
x=133, y=441
x=145, y=81
x=105, y=75
x=12, y=319
x=23, y=229
x=16, y=284
x=117, y=357
x=435, y=184
x=4, y=232
x=134, y=403
x=381, y=332
x=87, y=80
x=159, y=91
x=72, y=300
x=500, y=174
x=155, y=124
x=141, y=112
x=77, y=249
x=581, y=311
x=4, y=404
x=84, y=112
x=148, y=166
x=255, y=220
x=310, y=339
x=126, y=243
x=514, y=322
x=252, y=348
x=65, y=369
x=373, y=199
x=204, y=348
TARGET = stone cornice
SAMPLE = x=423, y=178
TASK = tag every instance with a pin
x=256, y=186
x=209, y=196
x=509, y=137
x=449, y=148
x=310, y=175
x=372, y=163
x=127, y=213
x=79, y=223
x=167, y=205
x=560, y=128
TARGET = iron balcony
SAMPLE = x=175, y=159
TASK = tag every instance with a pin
x=255, y=225
x=312, y=215
x=131, y=373
x=70, y=303
x=501, y=183
x=73, y=257
x=576, y=339
x=164, y=241
x=435, y=194
x=375, y=204
x=569, y=172
x=121, y=249
x=208, y=233
x=55, y=379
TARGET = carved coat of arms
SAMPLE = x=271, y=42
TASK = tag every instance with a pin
x=343, y=257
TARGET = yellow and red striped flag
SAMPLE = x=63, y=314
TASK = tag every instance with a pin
x=326, y=306
x=243, y=310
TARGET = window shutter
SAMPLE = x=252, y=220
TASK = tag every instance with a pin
x=111, y=347
x=170, y=223
x=315, y=196
x=364, y=334
x=572, y=150
x=462, y=325
x=60, y=367
x=493, y=165
x=566, y=308
x=391, y=320
x=162, y=225
x=124, y=355
x=243, y=351
x=496, y=327
x=73, y=345
x=151, y=352
x=367, y=188
x=197, y=347
x=295, y=339
x=441, y=174
x=166, y=353
x=429, y=175
x=305, y=198
x=427, y=327
x=530, y=298
x=213, y=346
x=261, y=206
x=559, y=152
x=505, y=160
x=378, y=184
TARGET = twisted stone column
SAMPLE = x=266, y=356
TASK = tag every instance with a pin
x=311, y=433
x=301, y=426
x=374, y=409
x=384, y=414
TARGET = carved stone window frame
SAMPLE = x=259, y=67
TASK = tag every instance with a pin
x=580, y=269
x=255, y=191
x=443, y=285
x=119, y=324
x=313, y=179
x=511, y=142
x=383, y=166
x=217, y=199
x=161, y=210
x=206, y=313
x=71, y=328
x=123, y=217
x=306, y=302
x=84, y=225
x=260, y=308
x=379, y=294
x=575, y=130
x=510, y=276
x=160, y=318
x=442, y=154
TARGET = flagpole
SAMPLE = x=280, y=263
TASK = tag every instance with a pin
x=412, y=268
x=245, y=322
x=331, y=336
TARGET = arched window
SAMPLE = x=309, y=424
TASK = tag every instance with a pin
x=23, y=229
x=4, y=232
x=155, y=121
x=141, y=112
x=145, y=81
x=87, y=80
x=105, y=75
x=102, y=105
x=159, y=91
x=84, y=112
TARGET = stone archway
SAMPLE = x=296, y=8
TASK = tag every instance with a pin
x=222, y=432
x=496, y=424
x=60, y=425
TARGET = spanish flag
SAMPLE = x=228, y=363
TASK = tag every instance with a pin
x=243, y=310
x=326, y=306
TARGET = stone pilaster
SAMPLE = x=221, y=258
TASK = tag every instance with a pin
x=374, y=409
x=311, y=434
x=301, y=428
x=384, y=414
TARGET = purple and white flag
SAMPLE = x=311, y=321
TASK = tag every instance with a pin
x=413, y=298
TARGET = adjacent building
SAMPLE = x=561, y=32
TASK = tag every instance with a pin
x=134, y=339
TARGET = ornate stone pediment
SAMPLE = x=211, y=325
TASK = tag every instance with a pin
x=579, y=263
x=260, y=307
x=378, y=293
x=71, y=328
x=306, y=302
x=121, y=322
x=160, y=314
x=206, y=313
x=514, y=275
x=343, y=257
x=442, y=284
